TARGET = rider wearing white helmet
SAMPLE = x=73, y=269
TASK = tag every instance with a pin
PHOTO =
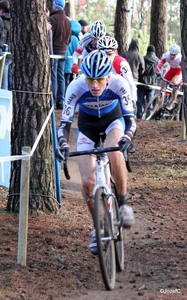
x=88, y=43
x=120, y=64
x=174, y=49
x=174, y=72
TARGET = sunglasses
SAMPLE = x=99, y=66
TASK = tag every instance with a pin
x=110, y=54
x=99, y=79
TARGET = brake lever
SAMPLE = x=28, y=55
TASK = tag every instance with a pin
x=64, y=166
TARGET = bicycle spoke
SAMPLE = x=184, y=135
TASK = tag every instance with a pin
x=105, y=243
x=119, y=245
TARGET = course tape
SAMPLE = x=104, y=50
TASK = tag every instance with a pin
x=27, y=156
x=18, y=157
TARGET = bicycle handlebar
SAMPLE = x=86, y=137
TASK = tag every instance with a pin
x=89, y=152
x=171, y=83
x=93, y=151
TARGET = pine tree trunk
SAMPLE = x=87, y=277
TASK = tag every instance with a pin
x=31, y=103
x=183, y=23
x=158, y=32
x=122, y=27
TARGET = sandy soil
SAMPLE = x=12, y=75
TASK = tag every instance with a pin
x=59, y=264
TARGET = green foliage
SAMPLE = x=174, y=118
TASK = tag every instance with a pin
x=94, y=10
x=143, y=36
x=140, y=16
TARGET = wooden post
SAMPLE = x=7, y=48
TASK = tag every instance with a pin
x=23, y=208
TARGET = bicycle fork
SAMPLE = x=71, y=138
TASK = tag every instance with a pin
x=103, y=181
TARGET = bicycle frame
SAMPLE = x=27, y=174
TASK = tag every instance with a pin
x=103, y=177
x=106, y=213
x=161, y=103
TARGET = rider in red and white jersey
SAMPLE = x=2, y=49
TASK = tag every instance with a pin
x=120, y=64
x=174, y=72
x=88, y=43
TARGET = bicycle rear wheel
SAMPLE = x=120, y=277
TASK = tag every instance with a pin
x=152, y=106
x=118, y=231
x=176, y=109
x=105, y=242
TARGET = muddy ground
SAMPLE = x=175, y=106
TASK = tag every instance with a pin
x=59, y=264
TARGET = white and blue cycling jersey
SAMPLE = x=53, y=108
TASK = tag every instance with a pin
x=115, y=102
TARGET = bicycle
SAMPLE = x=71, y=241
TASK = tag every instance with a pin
x=157, y=107
x=109, y=233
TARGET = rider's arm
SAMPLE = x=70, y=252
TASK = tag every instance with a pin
x=63, y=132
x=76, y=55
x=160, y=65
x=123, y=91
x=130, y=126
x=127, y=74
x=80, y=47
x=72, y=96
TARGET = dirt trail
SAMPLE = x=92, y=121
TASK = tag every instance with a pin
x=155, y=248
x=59, y=264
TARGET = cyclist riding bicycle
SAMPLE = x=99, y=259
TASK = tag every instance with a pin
x=120, y=64
x=174, y=73
x=104, y=106
x=88, y=43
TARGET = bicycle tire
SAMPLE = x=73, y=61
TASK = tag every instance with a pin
x=159, y=101
x=128, y=164
x=175, y=111
x=106, y=248
x=119, y=243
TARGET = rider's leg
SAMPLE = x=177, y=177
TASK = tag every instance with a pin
x=86, y=166
x=118, y=165
x=176, y=80
x=119, y=174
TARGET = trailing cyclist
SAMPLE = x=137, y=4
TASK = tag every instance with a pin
x=174, y=73
x=120, y=64
x=105, y=106
x=88, y=43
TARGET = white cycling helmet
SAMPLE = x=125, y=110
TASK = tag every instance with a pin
x=96, y=64
x=174, y=49
x=107, y=43
x=98, y=29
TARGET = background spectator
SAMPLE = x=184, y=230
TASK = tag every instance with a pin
x=49, y=32
x=135, y=59
x=148, y=77
x=84, y=27
x=75, y=29
x=61, y=29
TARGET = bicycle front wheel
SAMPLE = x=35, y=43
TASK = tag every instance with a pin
x=105, y=242
x=153, y=106
x=118, y=231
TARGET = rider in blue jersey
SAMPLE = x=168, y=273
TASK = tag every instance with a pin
x=105, y=105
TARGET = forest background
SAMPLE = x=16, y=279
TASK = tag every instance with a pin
x=156, y=22
x=140, y=16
